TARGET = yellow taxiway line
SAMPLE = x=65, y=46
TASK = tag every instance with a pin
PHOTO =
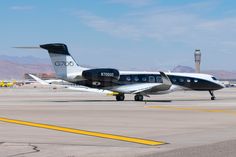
x=84, y=132
x=193, y=109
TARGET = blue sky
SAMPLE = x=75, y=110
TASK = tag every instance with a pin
x=125, y=34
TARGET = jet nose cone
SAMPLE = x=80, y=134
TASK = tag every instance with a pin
x=221, y=85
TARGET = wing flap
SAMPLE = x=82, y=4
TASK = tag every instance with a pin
x=88, y=89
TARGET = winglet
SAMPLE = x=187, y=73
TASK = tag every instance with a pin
x=39, y=80
x=165, y=79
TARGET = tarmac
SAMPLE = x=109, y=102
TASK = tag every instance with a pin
x=44, y=122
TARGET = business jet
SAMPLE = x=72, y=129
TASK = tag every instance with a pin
x=118, y=83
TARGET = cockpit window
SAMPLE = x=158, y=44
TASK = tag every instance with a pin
x=214, y=78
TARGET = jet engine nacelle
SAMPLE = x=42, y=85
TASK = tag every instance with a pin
x=101, y=74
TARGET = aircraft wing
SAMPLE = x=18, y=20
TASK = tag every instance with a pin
x=94, y=90
x=75, y=87
x=39, y=80
x=145, y=88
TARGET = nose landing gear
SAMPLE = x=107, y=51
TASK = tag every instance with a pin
x=212, y=95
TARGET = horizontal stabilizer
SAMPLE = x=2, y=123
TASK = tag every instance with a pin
x=56, y=48
x=27, y=47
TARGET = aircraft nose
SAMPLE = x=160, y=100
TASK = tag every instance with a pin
x=221, y=85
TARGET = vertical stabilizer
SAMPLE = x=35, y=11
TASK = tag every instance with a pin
x=63, y=63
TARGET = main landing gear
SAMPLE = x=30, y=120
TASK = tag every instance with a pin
x=212, y=95
x=138, y=98
x=120, y=97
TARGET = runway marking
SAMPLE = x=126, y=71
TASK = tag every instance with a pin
x=194, y=109
x=84, y=132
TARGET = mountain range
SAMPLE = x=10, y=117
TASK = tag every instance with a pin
x=15, y=67
x=12, y=67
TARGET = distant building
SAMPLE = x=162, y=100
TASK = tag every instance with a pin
x=44, y=76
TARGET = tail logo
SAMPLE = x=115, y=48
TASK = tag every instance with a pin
x=64, y=63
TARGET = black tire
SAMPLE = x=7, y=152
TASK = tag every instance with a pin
x=138, y=98
x=120, y=97
x=213, y=98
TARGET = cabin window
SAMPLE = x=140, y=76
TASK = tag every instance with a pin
x=136, y=79
x=158, y=79
x=151, y=79
x=174, y=80
x=188, y=80
x=128, y=78
x=195, y=80
x=144, y=79
x=181, y=80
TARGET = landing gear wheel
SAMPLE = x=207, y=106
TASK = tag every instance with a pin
x=212, y=95
x=120, y=97
x=138, y=98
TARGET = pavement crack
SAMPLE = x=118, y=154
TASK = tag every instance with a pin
x=34, y=148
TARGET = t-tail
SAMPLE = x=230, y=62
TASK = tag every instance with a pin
x=64, y=64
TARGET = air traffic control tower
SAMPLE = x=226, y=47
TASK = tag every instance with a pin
x=197, y=57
